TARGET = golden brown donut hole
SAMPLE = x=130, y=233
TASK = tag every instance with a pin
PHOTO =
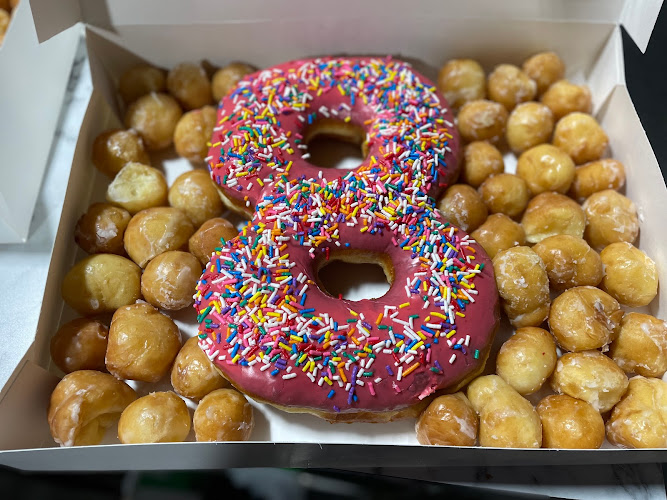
x=139, y=81
x=207, y=238
x=590, y=376
x=509, y=86
x=449, y=420
x=549, y=214
x=506, y=194
x=584, y=318
x=462, y=81
x=482, y=120
x=580, y=136
x=225, y=79
x=193, y=375
x=113, y=149
x=610, y=218
x=101, y=283
x=142, y=343
x=481, y=160
x=196, y=195
x=564, y=98
x=506, y=419
x=597, y=176
x=527, y=359
x=189, y=84
x=101, y=229
x=159, y=417
x=4, y=23
x=155, y=231
x=630, y=276
x=499, y=232
x=84, y=404
x=545, y=69
x=80, y=344
x=193, y=134
x=640, y=419
x=546, y=168
x=641, y=345
x=463, y=207
x=223, y=415
x=138, y=187
x=154, y=116
x=569, y=261
x=523, y=286
x=570, y=423
x=529, y=125
x=169, y=280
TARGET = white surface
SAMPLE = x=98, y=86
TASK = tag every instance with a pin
x=23, y=267
x=32, y=78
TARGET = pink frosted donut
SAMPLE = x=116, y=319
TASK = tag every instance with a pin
x=264, y=320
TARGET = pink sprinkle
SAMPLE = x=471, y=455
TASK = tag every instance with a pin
x=371, y=389
x=393, y=240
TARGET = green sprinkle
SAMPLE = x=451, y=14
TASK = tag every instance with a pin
x=476, y=353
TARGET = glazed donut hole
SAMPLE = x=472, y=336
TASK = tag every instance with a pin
x=209, y=236
x=505, y=194
x=193, y=133
x=159, y=417
x=84, y=404
x=143, y=343
x=462, y=81
x=140, y=80
x=154, y=231
x=569, y=261
x=225, y=79
x=498, y=233
x=463, y=207
x=193, y=375
x=4, y=23
x=138, y=187
x=640, y=419
x=482, y=120
x=506, y=419
x=549, y=214
x=630, y=276
x=114, y=149
x=509, y=86
x=641, y=345
x=597, y=176
x=154, y=116
x=449, y=420
x=196, y=195
x=580, y=136
x=523, y=285
x=529, y=125
x=527, y=359
x=546, y=168
x=563, y=98
x=545, y=69
x=570, y=423
x=80, y=344
x=169, y=280
x=610, y=218
x=189, y=84
x=584, y=318
x=590, y=376
x=101, y=229
x=223, y=415
x=101, y=283
x=481, y=160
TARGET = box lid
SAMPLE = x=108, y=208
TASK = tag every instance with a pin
x=637, y=16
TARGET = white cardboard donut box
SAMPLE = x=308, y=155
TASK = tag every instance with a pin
x=584, y=33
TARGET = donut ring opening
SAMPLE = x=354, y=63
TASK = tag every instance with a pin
x=331, y=141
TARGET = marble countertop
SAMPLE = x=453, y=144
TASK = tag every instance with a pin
x=31, y=259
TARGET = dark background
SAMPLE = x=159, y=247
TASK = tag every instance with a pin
x=646, y=76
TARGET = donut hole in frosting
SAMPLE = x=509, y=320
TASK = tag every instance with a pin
x=355, y=274
x=334, y=144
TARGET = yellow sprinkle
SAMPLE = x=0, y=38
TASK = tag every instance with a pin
x=326, y=379
x=451, y=334
x=460, y=314
x=353, y=313
x=284, y=346
x=236, y=358
x=406, y=304
x=439, y=315
x=418, y=345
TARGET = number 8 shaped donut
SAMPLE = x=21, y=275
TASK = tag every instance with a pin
x=265, y=322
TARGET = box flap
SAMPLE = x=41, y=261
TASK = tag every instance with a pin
x=638, y=18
